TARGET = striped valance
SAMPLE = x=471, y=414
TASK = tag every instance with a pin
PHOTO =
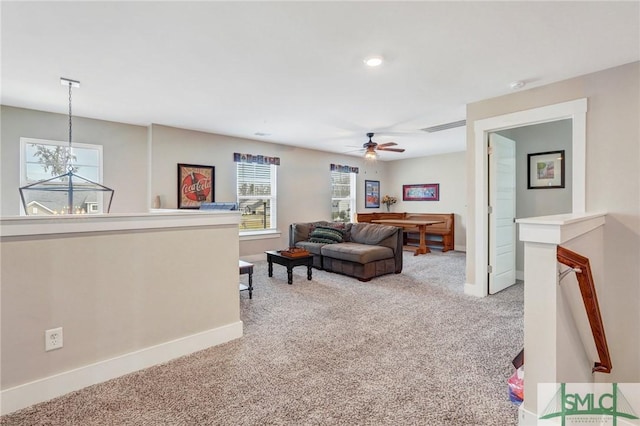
x=257, y=159
x=343, y=169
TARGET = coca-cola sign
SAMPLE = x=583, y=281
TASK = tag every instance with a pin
x=195, y=185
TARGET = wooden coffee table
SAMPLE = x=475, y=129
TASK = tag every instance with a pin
x=289, y=262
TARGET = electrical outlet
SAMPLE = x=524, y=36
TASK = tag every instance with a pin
x=53, y=339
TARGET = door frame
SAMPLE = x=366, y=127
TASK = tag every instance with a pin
x=575, y=110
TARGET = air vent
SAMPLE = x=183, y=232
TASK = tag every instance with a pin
x=445, y=126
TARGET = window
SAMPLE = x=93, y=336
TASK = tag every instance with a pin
x=343, y=196
x=44, y=159
x=256, y=196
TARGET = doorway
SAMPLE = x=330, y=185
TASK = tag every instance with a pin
x=575, y=111
x=514, y=155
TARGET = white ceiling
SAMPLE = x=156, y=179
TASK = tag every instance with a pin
x=294, y=70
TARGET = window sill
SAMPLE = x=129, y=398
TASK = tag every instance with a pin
x=259, y=235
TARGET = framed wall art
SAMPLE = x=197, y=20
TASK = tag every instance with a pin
x=545, y=170
x=421, y=192
x=195, y=185
x=371, y=194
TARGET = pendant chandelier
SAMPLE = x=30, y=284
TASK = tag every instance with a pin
x=67, y=193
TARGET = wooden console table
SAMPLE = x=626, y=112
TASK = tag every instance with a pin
x=412, y=223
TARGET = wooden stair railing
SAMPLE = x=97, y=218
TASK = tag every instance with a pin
x=580, y=265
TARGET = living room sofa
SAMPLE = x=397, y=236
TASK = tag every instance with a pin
x=360, y=250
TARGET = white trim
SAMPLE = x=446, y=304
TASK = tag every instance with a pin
x=473, y=290
x=559, y=229
x=158, y=219
x=520, y=275
x=259, y=235
x=576, y=110
x=22, y=396
x=526, y=417
x=460, y=248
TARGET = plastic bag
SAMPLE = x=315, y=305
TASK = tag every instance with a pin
x=516, y=386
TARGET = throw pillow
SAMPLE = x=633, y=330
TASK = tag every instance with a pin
x=326, y=235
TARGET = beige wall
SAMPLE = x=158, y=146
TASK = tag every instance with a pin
x=304, y=186
x=124, y=154
x=141, y=163
x=113, y=293
x=303, y=178
x=449, y=171
x=612, y=185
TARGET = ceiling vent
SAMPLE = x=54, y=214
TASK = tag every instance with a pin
x=445, y=126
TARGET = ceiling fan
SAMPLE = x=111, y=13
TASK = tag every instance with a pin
x=371, y=147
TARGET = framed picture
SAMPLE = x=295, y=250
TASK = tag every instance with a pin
x=545, y=170
x=195, y=185
x=371, y=194
x=421, y=192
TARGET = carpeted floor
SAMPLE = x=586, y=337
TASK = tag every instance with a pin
x=407, y=349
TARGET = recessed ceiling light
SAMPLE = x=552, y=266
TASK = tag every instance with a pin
x=262, y=134
x=373, y=61
x=517, y=84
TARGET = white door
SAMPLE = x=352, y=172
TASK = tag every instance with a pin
x=502, y=212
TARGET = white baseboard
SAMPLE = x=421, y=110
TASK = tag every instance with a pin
x=460, y=248
x=474, y=290
x=520, y=275
x=526, y=418
x=40, y=390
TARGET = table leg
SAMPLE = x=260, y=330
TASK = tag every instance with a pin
x=309, y=272
x=289, y=275
x=250, y=285
x=422, y=249
x=270, y=267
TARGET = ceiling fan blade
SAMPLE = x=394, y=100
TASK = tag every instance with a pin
x=390, y=149
x=387, y=144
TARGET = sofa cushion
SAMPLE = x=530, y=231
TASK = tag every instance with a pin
x=301, y=231
x=326, y=234
x=313, y=248
x=371, y=233
x=354, y=252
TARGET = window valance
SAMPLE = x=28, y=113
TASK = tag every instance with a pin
x=256, y=159
x=343, y=169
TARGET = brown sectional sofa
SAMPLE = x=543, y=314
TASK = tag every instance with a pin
x=368, y=250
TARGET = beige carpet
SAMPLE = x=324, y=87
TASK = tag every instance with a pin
x=408, y=349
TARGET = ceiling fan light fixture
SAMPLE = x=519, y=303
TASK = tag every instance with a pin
x=373, y=61
x=371, y=154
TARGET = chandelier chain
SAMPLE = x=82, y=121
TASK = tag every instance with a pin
x=70, y=122
x=69, y=155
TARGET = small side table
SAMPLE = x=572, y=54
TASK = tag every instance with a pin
x=247, y=268
x=289, y=263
